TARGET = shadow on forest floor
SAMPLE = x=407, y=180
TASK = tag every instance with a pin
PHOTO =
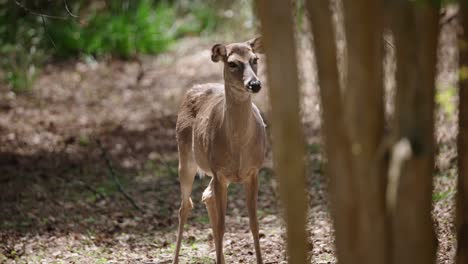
x=57, y=200
x=59, y=205
x=68, y=197
x=69, y=191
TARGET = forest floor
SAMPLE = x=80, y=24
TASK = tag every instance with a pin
x=59, y=202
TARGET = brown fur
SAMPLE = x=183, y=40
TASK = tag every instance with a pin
x=220, y=131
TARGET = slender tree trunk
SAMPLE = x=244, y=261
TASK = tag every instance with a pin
x=339, y=167
x=364, y=107
x=357, y=172
x=416, y=32
x=462, y=198
x=288, y=143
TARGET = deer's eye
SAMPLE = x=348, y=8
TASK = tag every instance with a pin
x=254, y=61
x=232, y=65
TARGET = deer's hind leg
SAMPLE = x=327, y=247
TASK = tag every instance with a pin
x=187, y=172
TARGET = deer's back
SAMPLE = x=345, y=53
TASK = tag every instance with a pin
x=198, y=111
x=198, y=103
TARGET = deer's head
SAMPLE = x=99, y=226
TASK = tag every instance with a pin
x=240, y=64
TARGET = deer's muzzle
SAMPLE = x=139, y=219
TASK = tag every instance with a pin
x=254, y=86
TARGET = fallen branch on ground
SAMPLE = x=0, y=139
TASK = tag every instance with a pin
x=114, y=177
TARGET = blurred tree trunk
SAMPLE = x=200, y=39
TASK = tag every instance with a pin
x=352, y=139
x=462, y=198
x=363, y=102
x=343, y=187
x=416, y=30
x=356, y=171
x=288, y=143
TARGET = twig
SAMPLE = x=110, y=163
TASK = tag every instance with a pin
x=68, y=9
x=37, y=13
x=115, y=178
x=44, y=16
x=47, y=32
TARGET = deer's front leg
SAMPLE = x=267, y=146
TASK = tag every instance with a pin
x=251, y=190
x=215, y=198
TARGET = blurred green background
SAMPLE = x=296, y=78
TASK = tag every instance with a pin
x=35, y=32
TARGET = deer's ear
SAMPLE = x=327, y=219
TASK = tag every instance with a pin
x=218, y=52
x=256, y=45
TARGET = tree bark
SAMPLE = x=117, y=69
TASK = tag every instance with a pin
x=416, y=34
x=365, y=123
x=462, y=198
x=339, y=167
x=288, y=143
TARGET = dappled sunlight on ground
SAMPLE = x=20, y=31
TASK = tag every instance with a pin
x=59, y=203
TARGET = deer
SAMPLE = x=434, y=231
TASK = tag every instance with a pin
x=221, y=133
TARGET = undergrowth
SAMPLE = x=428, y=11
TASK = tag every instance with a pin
x=32, y=32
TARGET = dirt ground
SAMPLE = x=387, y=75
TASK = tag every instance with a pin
x=59, y=203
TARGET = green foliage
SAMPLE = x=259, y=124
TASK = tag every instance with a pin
x=142, y=30
x=200, y=19
x=121, y=28
x=202, y=219
x=313, y=148
x=101, y=261
x=201, y=260
x=300, y=14
x=167, y=169
x=463, y=73
x=436, y=197
x=445, y=99
x=84, y=141
x=20, y=78
x=20, y=50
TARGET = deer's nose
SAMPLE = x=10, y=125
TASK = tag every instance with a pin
x=254, y=86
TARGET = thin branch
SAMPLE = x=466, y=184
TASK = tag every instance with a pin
x=44, y=16
x=47, y=32
x=68, y=9
x=115, y=178
x=37, y=13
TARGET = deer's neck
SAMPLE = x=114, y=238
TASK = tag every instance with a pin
x=238, y=118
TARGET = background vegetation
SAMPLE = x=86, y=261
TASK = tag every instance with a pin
x=32, y=32
x=88, y=83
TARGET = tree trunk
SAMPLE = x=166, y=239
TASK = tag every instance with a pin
x=364, y=116
x=339, y=166
x=288, y=143
x=416, y=31
x=462, y=198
